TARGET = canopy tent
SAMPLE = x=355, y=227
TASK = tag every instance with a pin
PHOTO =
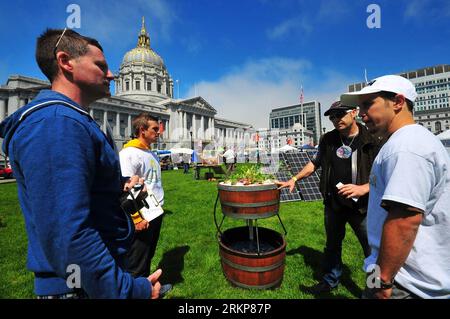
x=287, y=148
x=444, y=135
x=181, y=150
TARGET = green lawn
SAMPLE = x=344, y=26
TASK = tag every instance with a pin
x=188, y=251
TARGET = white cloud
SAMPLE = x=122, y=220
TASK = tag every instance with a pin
x=293, y=25
x=249, y=92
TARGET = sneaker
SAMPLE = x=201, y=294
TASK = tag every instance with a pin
x=320, y=288
x=164, y=290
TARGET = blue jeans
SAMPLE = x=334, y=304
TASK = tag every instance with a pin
x=335, y=222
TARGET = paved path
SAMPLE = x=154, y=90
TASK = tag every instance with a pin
x=5, y=181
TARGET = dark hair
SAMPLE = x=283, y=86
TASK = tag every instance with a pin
x=141, y=121
x=391, y=97
x=71, y=42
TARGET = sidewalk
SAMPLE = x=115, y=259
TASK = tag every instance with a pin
x=5, y=181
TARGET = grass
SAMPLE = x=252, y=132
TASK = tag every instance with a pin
x=188, y=250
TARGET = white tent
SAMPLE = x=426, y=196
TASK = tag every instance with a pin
x=445, y=139
x=444, y=135
x=182, y=150
x=287, y=148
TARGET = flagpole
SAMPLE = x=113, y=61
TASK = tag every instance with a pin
x=302, y=115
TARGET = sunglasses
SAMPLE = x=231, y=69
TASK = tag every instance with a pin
x=57, y=42
x=338, y=115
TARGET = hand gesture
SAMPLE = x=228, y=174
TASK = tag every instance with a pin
x=156, y=286
x=290, y=183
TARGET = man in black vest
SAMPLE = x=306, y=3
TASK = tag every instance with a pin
x=345, y=156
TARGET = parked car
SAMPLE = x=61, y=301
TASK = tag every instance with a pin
x=6, y=172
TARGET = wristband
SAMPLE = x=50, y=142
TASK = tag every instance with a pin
x=383, y=284
x=295, y=178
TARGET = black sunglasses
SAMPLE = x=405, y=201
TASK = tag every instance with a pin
x=338, y=115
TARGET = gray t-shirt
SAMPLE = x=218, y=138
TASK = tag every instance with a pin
x=413, y=168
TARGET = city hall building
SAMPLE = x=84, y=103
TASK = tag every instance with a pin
x=142, y=84
x=432, y=106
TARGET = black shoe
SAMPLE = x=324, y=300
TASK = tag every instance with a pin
x=164, y=290
x=320, y=288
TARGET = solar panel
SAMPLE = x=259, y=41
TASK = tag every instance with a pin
x=286, y=196
x=311, y=154
x=309, y=187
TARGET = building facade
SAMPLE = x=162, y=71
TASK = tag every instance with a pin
x=284, y=118
x=432, y=106
x=142, y=84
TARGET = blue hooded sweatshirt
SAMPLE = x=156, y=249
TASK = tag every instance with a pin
x=69, y=184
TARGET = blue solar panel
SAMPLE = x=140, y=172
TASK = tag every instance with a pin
x=308, y=187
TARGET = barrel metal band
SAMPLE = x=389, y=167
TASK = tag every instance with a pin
x=250, y=205
x=269, y=285
x=250, y=216
x=253, y=269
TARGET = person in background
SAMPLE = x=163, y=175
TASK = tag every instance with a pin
x=136, y=158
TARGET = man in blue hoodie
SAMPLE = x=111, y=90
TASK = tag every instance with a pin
x=69, y=180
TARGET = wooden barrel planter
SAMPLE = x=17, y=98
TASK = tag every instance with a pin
x=244, y=267
x=249, y=202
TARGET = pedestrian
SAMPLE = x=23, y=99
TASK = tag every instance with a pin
x=345, y=155
x=409, y=206
x=137, y=158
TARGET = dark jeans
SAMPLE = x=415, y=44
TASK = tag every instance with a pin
x=335, y=222
x=186, y=168
x=143, y=249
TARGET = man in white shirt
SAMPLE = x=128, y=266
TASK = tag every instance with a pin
x=136, y=158
x=229, y=158
x=408, y=218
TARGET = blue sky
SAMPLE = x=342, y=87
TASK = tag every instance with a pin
x=245, y=57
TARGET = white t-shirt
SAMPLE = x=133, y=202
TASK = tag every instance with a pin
x=413, y=168
x=229, y=156
x=144, y=163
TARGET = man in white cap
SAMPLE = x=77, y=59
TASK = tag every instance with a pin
x=408, y=219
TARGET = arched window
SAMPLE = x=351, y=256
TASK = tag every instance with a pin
x=437, y=127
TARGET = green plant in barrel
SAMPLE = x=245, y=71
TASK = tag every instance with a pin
x=249, y=175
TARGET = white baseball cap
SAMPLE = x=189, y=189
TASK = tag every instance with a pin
x=389, y=83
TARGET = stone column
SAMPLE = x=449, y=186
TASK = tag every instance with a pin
x=105, y=120
x=2, y=109
x=22, y=102
x=163, y=87
x=194, y=127
x=154, y=84
x=129, y=128
x=185, y=125
x=202, y=127
x=117, y=128
x=13, y=104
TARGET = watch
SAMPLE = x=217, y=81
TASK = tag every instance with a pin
x=383, y=284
